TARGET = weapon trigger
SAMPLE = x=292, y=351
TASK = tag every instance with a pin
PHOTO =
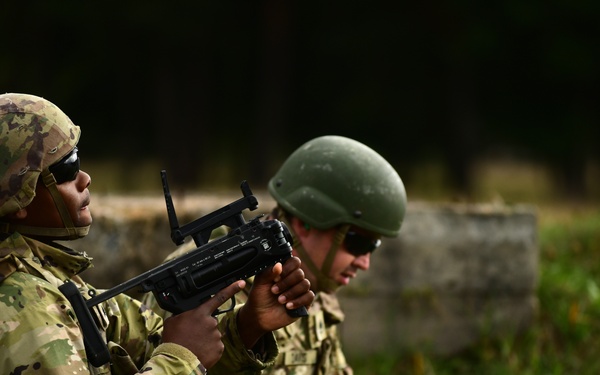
x=218, y=312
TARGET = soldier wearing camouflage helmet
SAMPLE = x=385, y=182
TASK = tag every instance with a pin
x=44, y=197
x=35, y=136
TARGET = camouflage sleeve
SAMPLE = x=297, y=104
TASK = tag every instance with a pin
x=132, y=326
x=236, y=359
x=171, y=359
x=134, y=337
x=37, y=330
x=39, y=333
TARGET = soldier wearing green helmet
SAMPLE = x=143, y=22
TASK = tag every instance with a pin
x=338, y=198
x=337, y=182
x=44, y=197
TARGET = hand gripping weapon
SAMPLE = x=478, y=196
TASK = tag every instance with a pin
x=189, y=280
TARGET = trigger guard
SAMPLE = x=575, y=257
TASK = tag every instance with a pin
x=218, y=312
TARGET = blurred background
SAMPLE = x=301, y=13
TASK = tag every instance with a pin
x=468, y=100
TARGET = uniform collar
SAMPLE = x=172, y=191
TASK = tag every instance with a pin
x=57, y=259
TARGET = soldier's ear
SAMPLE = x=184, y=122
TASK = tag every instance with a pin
x=300, y=228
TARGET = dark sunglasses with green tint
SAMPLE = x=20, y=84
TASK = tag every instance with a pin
x=359, y=244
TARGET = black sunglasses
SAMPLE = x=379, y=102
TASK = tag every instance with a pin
x=358, y=244
x=66, y=169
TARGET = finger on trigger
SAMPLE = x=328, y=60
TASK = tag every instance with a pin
x=225, y=294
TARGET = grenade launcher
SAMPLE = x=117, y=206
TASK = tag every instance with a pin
x=189, y=280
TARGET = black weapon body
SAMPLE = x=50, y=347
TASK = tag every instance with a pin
x=189, y=280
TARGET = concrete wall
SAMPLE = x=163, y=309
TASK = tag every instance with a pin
x=456, y=272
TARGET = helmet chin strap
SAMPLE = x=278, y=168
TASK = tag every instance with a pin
x=69, y=232
x=324, y=282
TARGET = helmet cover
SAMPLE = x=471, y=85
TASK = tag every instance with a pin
x=35, y=134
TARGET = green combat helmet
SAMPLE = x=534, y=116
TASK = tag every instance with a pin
x=334, y=181
x=35, y=134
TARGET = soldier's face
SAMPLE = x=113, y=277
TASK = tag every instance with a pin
x=42, y=211
x=317, y=244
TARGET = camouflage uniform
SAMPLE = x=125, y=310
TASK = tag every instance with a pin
x=310, y=345
x=39, y=332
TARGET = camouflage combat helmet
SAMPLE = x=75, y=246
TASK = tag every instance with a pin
x=35, y=134
x=334, y=180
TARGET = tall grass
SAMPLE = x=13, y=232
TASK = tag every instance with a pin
x=565, y=337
